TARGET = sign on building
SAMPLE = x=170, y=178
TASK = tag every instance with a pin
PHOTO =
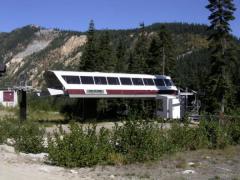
x=8, y=98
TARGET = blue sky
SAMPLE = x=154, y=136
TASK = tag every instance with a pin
x=111, y=14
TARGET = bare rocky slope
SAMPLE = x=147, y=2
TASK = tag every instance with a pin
x=39, y=50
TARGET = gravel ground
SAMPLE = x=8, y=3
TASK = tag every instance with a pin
x=202, y=164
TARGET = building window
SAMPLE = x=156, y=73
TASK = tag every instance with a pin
x=168, y=82
x=87, y=80
x=71, y=79
x=100, y=80
x=125, y=81
x=52, y=80
x=113, y=81
x=159, y=82
x=137, y=81
x=148, y=82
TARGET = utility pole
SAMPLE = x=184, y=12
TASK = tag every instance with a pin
x=23, y=105
x=22, y=89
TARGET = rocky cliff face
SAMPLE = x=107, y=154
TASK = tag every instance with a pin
x=40, y=41
x=42, y=49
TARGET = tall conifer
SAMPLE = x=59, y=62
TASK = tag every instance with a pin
x=167, y=51
x=89, y=56
x=106, y=60
x=140, y=52
x=154, y=62
x=161, y=55
x=121, y=64
x=219, y=80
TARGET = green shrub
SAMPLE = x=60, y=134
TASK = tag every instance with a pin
x=139, y=141
x=135, y=141
x=184, y=137
x=233, y=130
x=29, y=138
x=208, y=134
x=8, y=129
x=216, y=134
x=79, y=147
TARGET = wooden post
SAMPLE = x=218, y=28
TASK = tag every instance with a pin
x=23, y=105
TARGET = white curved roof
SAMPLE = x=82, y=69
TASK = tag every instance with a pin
x=77, y=73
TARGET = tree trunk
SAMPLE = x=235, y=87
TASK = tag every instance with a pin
x=163, y=63
x=222, y=105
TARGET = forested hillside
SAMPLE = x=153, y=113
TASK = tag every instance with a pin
x=176, y=49
x=30, y=50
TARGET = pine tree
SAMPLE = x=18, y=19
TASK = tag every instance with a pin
x=167, y=52
x=121, y=64
x=192, y=71
x=106, y=60
x=161, y=55
x=140, y=53
x=89, y=56
x=154, y=63
x=237, y=75
x=219, y=80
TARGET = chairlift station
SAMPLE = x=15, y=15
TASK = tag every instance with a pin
x=99, y=85
x=117, y=85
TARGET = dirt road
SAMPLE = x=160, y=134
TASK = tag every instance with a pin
x=203, y=164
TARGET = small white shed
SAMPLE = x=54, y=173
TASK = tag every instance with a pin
x=168, y=106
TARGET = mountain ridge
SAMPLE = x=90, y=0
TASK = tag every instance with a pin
x=32, y=49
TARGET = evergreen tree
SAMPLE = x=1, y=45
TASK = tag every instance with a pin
x=137, y=64
x=89, y=56
x=140, y=53
x=154, y=62
x=219, y=80
x=121, y=64
x=191, y=70
x=236, y=72
x=106, y=60
x=161, y=55
x=167, y=52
